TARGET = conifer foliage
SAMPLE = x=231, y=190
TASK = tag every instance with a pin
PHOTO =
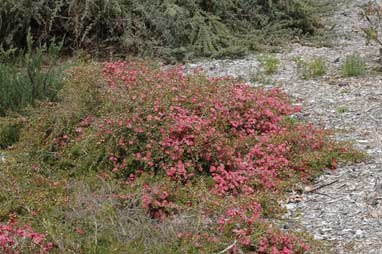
x=177, y=28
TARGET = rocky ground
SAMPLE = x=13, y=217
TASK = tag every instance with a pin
x=346, y=209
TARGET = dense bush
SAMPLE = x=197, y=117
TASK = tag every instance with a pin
x=167, y=123
x=162, y=28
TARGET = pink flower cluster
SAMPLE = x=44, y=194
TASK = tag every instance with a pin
x=155, y=200
x=241, y=221
x=181, y=126
x=18, y=240
x=277, y=243
x=244, y=222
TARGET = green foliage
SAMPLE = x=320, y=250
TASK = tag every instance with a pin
x=30, y=77
x=7, y=55
x=353, y=66
x=372, y=16
x=80, y=95
x=166, y=28
x=9, y=133
x=311, y=69
x=269, y=63
x=341, y=110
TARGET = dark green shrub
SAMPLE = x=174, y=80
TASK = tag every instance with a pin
x=180, y=29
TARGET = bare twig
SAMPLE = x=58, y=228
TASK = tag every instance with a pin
x=335, y=200
x=229, y=247
x=323, y=194
x=321, y=186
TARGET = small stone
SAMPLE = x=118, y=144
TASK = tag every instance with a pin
x=2, y=158
x=359, y=233
x=290, y=206
x=318, y=237
x=343, y=84
x=308, y=188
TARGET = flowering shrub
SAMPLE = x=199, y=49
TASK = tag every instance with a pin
x=185, y=143
x=15, y=240
x=164, y=122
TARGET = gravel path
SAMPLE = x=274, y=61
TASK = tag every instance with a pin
x=348, y=212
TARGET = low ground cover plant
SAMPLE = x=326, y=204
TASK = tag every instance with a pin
x=167, y=123
x=198, y=163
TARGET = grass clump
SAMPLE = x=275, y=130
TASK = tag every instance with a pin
x=312, y=69
x=28, y=77
x=139, y=159
x=353, y=66
x=341, y=110
x=269, y=63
